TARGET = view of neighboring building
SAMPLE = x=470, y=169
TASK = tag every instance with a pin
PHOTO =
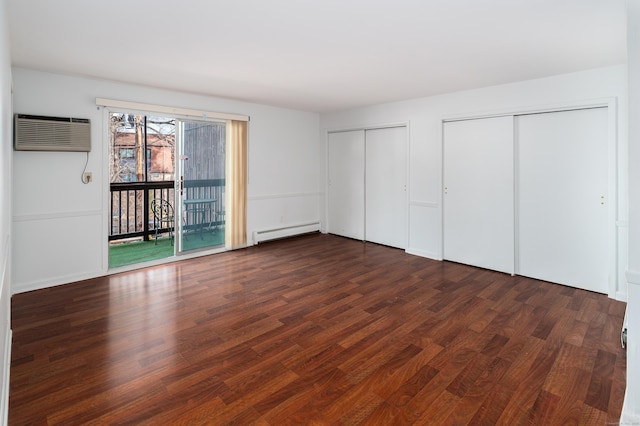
x=133, y=135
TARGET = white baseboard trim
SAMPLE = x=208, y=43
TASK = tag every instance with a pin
x=52, y=282
x=4, y=395
x=424, y=253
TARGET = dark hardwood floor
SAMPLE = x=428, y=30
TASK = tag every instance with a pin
x=315, y=330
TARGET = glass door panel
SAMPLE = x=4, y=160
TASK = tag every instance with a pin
x=141, y=169
x=201, y=185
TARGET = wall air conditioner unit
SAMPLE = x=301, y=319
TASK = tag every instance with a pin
x=38, y=133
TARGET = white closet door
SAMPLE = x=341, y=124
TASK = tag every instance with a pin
x=386, y=186
x=346, y=184
x=562, y=198
x=479, y=193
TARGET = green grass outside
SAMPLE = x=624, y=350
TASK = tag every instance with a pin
x=128, y=253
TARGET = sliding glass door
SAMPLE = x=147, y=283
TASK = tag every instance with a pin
x=168, y=191
x=200, y=198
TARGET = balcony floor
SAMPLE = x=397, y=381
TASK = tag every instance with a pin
x=127, y=253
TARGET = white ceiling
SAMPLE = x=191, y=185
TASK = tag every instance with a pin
x=317, y=55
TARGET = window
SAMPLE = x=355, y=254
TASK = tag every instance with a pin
x=126, y=153
x=131, y=136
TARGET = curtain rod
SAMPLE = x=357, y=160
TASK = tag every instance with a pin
x=170, y=110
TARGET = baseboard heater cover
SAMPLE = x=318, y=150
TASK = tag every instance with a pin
x=285, y=231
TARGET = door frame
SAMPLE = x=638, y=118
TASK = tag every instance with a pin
x=110, y=106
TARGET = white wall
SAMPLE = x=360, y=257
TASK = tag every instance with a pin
x=631, y=408
x=5, y=213
x=424, y=116
x=60, y=224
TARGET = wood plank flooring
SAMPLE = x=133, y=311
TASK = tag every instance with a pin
x=315, y=330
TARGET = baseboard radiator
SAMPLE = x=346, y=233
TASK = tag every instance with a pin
x=285, y=231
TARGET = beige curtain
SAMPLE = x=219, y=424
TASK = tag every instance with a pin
x=236, y=185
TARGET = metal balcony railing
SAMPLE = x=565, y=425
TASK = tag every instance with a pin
x=131, y=214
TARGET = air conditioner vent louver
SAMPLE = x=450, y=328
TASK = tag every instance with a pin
x=38, y=133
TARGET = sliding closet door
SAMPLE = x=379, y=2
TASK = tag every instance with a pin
x=478, y=193
x=386, y=185
x=562, y=197
x=346, y=184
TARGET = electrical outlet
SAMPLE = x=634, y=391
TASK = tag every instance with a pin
x=87, y=177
